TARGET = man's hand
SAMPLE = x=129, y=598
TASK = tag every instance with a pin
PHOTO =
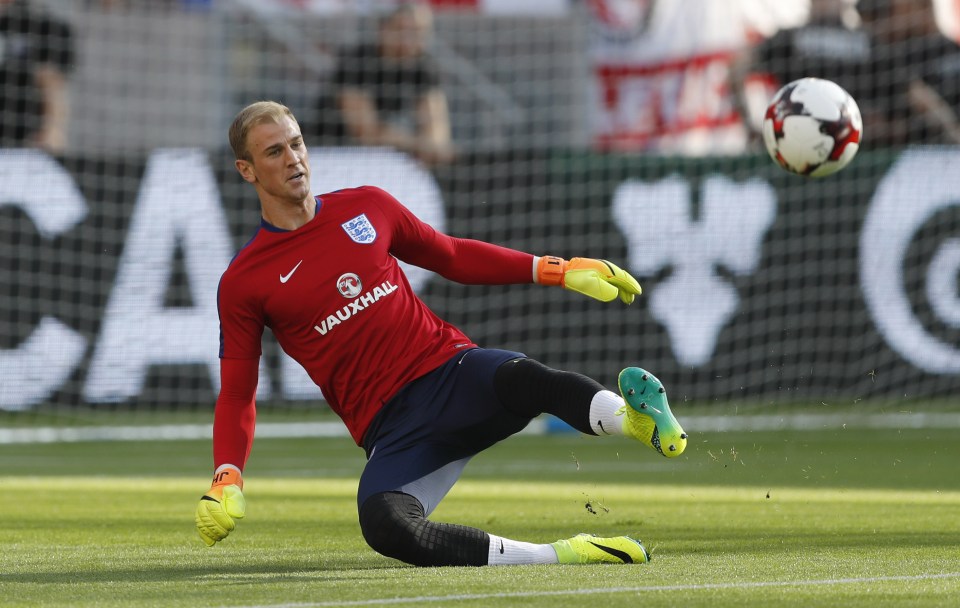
x=220, y=505
x=599, y=279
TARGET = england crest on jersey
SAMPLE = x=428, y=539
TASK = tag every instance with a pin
x=360, y=230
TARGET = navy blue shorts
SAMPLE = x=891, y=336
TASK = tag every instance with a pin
x=437, y=422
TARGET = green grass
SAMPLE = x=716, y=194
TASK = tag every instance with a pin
x=851, y=518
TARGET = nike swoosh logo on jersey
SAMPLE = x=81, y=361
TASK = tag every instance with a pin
x=285, y=278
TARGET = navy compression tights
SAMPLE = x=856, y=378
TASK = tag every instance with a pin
x=394, y=524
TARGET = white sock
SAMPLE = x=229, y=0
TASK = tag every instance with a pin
x=603, y=418
x=506, y=552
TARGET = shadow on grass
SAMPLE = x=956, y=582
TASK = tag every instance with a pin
x=345, y=571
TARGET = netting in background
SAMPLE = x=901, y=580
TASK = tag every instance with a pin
x=580, y=130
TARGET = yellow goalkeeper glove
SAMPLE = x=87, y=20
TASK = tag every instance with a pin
x=599, y=279
x=222, y=504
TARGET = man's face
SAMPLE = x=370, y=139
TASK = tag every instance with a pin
x=407, y=34
x=828, y=8
x=279, y=166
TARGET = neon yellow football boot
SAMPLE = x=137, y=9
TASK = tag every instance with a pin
x=590, y=549
x=648, y=416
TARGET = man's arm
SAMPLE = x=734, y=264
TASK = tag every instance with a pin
x=52, y=135
x=928, y=103
x=473, y=262
x=740, y=68
x=233, y=427
x=466, y=261
x=363, y=122
x=433, y=124
x=54, y=57
x=235, y=415
x=431, y=143
x=478, y=263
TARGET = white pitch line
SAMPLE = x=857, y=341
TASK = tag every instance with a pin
x=160, y=432
x=607, y=591
x=823, y=422
x=176, y=432
x=702, y=424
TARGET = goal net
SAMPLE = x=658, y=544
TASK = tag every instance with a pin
x=624, y=131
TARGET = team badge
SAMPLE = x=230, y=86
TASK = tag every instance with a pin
x=349, y=285
x=360, y=230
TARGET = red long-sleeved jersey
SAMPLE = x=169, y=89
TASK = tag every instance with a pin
x=337, y=301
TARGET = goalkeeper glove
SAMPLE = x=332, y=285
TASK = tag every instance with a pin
x=599, y=279
x=220, y=505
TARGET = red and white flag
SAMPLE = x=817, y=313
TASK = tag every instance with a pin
x=541, y=8
x=661, y=70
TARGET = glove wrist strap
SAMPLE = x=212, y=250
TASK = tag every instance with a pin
x=227, y=476
x=550, y=270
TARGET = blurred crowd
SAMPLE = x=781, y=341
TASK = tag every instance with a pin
x=36, y=57
x=890, y=55
x=387, y=92
x=390, y=89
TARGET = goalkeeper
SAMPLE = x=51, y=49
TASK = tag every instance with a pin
x=416, y=394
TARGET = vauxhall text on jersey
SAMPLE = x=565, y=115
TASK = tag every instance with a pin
x=358, y=305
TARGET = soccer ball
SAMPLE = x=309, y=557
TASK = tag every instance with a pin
x=812, y=127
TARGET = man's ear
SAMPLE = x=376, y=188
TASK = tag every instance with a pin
x=246, y=171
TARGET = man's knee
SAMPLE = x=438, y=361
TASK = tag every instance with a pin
x=393, y=524
x=389, y=522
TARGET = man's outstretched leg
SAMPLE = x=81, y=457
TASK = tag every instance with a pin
x=422, y=440
x=641, y=411
x=394, y=524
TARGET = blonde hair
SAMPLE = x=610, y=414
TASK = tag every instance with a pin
x=254, y=114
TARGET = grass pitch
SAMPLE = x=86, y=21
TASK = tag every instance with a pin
x=846, y=517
